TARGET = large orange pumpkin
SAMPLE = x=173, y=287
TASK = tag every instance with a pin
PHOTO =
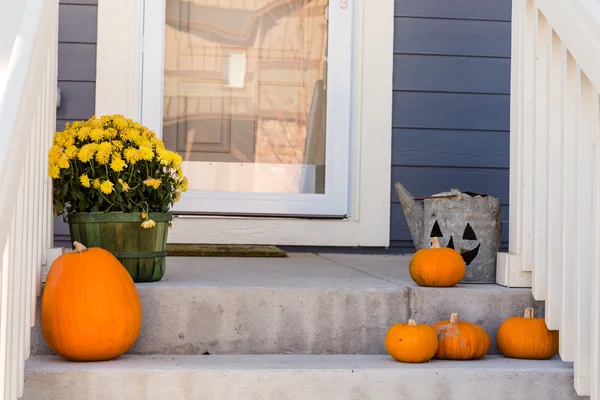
x=90, y=308
x=460, y=340
x=527, y=337
x=437, y=266
x=411, y=343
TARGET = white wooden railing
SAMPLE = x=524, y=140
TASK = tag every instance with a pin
x=28, y=74
x=555, y=173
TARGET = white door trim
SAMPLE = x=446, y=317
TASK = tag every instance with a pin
x=118, y=91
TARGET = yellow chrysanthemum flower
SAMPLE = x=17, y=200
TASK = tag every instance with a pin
x=87, y=152
x=176, y=161
x=124, y=185
x=165, y=157
x=96, y=183
x=179, y=172
x=85, y=180
x=133, y=135
x=76, y=124
x=153, y=183
x=54, y=154
x=107, y=187
x=131, y=155
x=148, y=224
x=54, y=172
x=158, y=144
x=177, y=197
x=63, y=162
x=83, y=133
x=71, y=152
x=184, y=184
x=117, y=144
x=103, y=154
x=146, y=153
x=117, y=163
x=120, y=123
x=97, y=134
x=144, y=215
x=110, y=133
x=60, y=138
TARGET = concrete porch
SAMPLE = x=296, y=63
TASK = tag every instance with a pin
x=314, y=324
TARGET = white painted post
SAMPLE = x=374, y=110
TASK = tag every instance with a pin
x=554, y=160
x=570, y=232
x=528, y=135
x=586, y=244
x=540, y=189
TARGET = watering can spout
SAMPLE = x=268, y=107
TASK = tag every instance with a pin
x=414, y=213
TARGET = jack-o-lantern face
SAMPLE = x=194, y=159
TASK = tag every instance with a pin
x=470, y=248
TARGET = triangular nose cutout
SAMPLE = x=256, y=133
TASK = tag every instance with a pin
x=469, y=233
x=450, y=244
x=436, y=231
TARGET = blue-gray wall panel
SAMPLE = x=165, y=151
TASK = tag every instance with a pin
x=451, y=74
x=459, y=111
x=464, y=9
x=78, y=23
x=452, y=37
x=77, y=62
x=440, y=148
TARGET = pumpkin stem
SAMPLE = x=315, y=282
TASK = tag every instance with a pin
x=435, y=243
x=454, y=318
x=529, y=313
x=79, y=248
x=412, y=322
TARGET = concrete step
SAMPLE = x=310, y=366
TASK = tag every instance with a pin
x=297, y=377
x=303, y=304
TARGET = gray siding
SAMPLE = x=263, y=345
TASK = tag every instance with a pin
x=451, y=96
x=76, y=72
x=451, y=101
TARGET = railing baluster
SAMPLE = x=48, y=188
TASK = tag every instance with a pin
x=540, y=194
x=585, y=250
x=527, y=140
x=14, y=293
x=569, y=212
x=554, y=181
x=595, y=320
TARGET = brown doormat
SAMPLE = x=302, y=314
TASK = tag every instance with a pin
x=223, y=250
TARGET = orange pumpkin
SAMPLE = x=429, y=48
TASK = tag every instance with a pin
x=90, y=308
x=411, y=343
x=437, y=266
x=460, y=340
x=527, y=337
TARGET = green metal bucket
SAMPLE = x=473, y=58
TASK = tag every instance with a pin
x=141, y=251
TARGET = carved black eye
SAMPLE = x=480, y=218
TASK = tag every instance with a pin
x=469, y=233
x=436, y=231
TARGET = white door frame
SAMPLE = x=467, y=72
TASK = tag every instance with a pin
x=339, y=81
x=118, y=90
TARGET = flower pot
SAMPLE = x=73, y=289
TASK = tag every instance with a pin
x=141, y=251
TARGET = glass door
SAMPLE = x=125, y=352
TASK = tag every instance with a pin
x=255, y=96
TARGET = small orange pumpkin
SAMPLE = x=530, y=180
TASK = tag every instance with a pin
x=437, y=266
x=527, y=337
x=90, y=309
x=411, y=343
x=460, y=340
